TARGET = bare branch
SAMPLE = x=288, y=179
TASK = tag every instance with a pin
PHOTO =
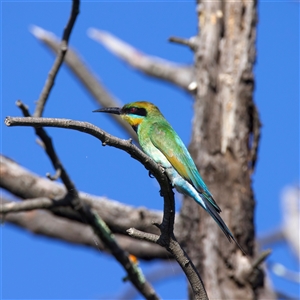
x=45, y=223
x=55, y=176
x=119, y=217
x=24, y=108
x=261, y=258
x=58, y=61
x=181, y=76
x=191, y=42
x=85, y=76
x=167, y=238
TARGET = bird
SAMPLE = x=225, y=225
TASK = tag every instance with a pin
x=161, y=142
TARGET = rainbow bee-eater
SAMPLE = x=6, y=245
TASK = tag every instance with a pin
x=160, y=141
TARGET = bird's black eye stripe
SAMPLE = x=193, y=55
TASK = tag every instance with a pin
x=136, y=111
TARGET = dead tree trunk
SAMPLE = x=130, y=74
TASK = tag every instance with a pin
x=224, y=144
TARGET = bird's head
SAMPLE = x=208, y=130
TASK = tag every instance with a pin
x=134, y=113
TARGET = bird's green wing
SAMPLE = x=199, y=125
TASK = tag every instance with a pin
x=165, y=139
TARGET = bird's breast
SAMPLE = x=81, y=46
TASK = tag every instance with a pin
x=154, y=153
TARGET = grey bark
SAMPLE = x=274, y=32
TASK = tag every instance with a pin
x=224, y=144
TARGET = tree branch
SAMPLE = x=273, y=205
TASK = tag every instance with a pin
x=167, y=238
x=181, y=76
x=119, y=217
x=45, y=223
x=191, y=42
x=181, y=257
x=58, y=61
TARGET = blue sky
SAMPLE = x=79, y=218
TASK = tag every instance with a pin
x=36, y=267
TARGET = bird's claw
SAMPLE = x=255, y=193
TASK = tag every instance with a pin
x=150, y=174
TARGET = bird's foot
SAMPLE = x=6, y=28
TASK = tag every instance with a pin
x=150, y=174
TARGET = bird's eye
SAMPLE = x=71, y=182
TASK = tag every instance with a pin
x=138, y=111
x=133, y=110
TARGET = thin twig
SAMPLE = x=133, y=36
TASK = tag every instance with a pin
x=24, y=108
x=167, y=238
x=55, y=176
x=191, y=42
x=58, y=61
x=261, y=258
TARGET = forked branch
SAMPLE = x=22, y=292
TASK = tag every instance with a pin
x=167, y=238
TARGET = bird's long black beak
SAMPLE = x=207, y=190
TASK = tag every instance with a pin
x=110, y=110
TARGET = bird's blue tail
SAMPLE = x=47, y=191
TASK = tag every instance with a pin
x=212, y=211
